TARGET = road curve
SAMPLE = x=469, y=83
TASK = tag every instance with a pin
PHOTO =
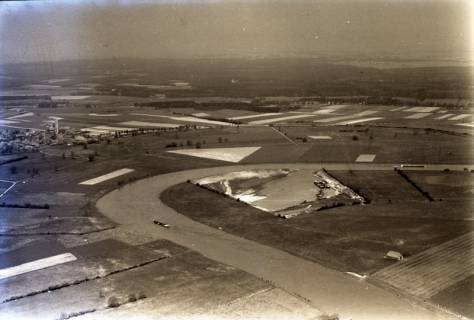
x=136, y=205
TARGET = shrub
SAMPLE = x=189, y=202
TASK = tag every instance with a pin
x=355, y=138
x=132, y=297
x=113, y=302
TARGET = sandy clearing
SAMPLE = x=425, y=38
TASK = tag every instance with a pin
x=106, y=177
x=224, y=154
x=418, y=115
x=346, y=117
x=28, y=114
x=266, y=121
x=56, y=98
x=366, y=158
x=36, y=265
x=104, y=114
x=358, y=121
x=444, y=116
x=186, y=119
x=255, y=116
x=149, y=124
x=459, y=117
x=320, y=137
x=422, y=109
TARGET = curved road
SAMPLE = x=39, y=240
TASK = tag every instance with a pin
x=134, y=206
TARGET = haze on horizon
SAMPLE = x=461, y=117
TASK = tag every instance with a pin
x=70, y=30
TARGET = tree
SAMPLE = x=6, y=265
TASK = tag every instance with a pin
x=219, y=139
x=91, y=157
x=13, y=170
x=198, y=145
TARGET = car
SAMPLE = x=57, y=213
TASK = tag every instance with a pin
x=164, y=225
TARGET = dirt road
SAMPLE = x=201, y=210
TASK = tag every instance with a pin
x=136, y=205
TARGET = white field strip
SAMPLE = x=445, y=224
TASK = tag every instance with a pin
x=57, y=80
x=418, y=115
x=442, y=111
x=324, y=111
x=104, y=114
x=351, y=116
x=284, y=136
x=466, y=124
x=108, y=128
x=366, y=158
x=106, y=177
x=422, y=109
x=224, y=154
x=149, y=124
x=444, y=116
x=95, y=131
x=398, y=109
x=28, y=114
x=255, y=116
x=3, y=121
x=266, y=121
x=186, y=119
x=17, y=127
x=36, y=265
x=358, y=121
x=200, y=114
x=320, y=137
x=193, y=119
x=331, y=109
x=13, y=183
x=56, y=98
x=459, y=117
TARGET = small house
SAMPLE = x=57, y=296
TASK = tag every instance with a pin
x=394, y=255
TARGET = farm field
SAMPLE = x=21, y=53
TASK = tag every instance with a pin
x=448, y=266
x=446, y=186
x=56, y=190
x=379, y=187
x=152, y=284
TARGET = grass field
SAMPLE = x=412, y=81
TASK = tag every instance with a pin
x=352, y=238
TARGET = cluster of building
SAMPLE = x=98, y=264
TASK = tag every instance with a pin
x=20, y=140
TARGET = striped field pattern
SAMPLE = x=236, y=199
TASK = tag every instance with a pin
x=433, y=270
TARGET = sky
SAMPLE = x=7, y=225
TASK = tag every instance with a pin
x=68, y=30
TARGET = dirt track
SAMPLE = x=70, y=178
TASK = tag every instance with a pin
x=135, y=206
